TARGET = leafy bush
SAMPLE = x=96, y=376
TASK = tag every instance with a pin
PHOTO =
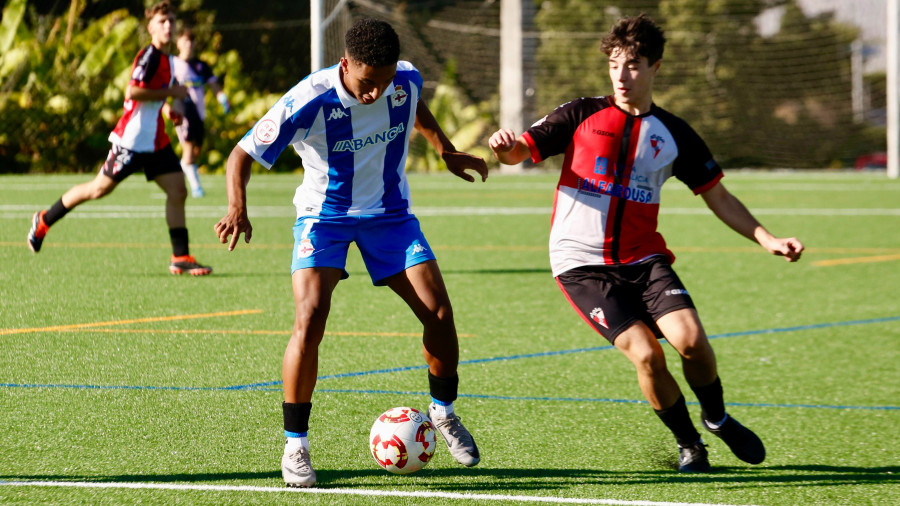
x=62, y=83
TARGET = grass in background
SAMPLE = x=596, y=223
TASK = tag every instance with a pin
x=807, y=351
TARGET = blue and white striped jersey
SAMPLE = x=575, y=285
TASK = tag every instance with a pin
x=353, y=154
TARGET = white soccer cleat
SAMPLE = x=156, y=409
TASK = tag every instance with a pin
x=459, y=440
x=296, y=468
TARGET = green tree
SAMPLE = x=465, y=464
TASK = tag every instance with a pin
x=464, y=123
x=778, y=101
x=62, y=82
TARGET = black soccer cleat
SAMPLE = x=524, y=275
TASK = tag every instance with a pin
x=693, y=458
x=744, y=444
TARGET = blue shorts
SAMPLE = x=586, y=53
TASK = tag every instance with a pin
x=389, y=243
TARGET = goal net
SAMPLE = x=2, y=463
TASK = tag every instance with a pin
x=767, y=83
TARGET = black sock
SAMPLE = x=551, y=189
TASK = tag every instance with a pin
x=55, y=213
x=711, y=400
x=296, y=416
x=679, y=422
x=443, y=389
x=179, y=237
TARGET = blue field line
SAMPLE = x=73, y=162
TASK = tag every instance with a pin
x=579, y=350
x=263, y=385
x=808, y=327
x=419, y=367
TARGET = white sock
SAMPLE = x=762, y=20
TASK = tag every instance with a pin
x=190, y=170
x=441, y=411
x=293, y=443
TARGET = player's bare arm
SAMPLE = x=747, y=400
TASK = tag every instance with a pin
x=457, y=161
x=236, y=220
x=148, y=95
x=507, y=148
x=733, y=213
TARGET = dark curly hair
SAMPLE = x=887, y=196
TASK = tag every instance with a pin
x=373, y=42
x=637, y=35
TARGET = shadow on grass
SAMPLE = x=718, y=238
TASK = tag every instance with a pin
x=494, y=479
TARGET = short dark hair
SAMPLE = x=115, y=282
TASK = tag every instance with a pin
x=638, y=35
x=165, y=7
x=373, y=42
x=187, y=32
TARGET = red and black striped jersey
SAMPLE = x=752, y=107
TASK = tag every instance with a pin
x=141, y=127
x=607, y=200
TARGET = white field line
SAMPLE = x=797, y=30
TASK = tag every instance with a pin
x=347, y=491
x=100, y=211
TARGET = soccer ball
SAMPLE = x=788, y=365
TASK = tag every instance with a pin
x=402, y=440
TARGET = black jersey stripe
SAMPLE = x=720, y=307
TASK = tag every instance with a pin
x=619, y=174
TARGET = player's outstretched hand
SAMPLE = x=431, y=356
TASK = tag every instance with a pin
x=502, y=140
x=790, y=248
x=233, y=224
x=175, y=117
x=458, y=162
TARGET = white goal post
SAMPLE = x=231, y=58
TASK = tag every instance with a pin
x=893, y=88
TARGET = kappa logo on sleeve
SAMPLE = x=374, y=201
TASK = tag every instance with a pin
x=266, y=131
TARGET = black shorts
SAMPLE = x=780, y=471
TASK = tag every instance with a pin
x=121, y=163
x=191, y=128
x=612, y=298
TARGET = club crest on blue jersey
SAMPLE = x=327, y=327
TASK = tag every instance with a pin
x=399, y=97
x=305, y=248
x=266, y=131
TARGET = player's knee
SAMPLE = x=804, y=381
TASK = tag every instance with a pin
x=441, y=316
x=649, y=360
x=695, y=347
x=303, y=340
x=311, y=314
x=177, y=193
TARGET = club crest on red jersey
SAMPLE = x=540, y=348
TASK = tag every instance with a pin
x=598, y=316
x=656, y=142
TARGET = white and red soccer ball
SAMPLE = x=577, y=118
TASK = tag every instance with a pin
x=402, y=440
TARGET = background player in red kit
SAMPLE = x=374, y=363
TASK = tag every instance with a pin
x=139, y=143
x=605, y=251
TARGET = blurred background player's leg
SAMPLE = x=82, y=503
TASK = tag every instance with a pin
x=191, y=134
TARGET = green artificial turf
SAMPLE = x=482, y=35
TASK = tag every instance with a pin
x=114, y=372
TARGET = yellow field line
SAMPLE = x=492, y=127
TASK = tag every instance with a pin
x=252, y=332
x=855, y=260
x=451, y=247
x=138, y=245
x=78, y=326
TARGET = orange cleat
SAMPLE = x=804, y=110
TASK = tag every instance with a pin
x=187, y=263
